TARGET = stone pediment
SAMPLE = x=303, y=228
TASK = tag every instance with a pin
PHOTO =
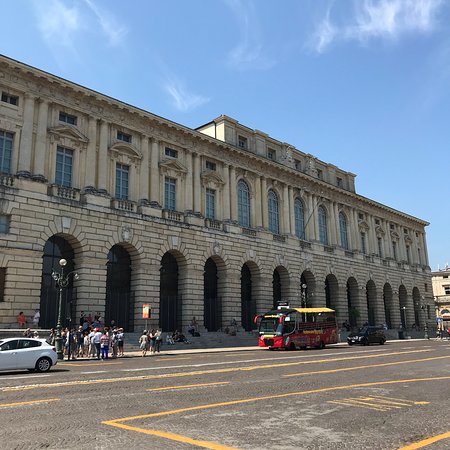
x=123, y=148
x=212, y=177
x=363, y=225
x=172, y=165
x=379, y=231
x=394, y=235
x=67, y=131
x=408, y=239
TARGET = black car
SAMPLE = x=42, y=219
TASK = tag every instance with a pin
x=367, y=335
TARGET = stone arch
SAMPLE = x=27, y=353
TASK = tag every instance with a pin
x=403, y=304
x=280, y=285
x=417, y=307
x=249, y=272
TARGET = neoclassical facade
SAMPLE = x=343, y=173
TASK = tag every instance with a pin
x=219, y=222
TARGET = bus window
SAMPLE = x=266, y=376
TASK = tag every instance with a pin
x=289, y=324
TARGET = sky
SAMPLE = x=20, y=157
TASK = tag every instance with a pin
x=361, y=84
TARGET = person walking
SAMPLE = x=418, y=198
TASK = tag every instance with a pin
x=152, y=337
x=158, y=341
x=120, y=341
x=143, y=342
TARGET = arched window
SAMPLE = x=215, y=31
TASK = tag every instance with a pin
x=299, y=214
x=274, y=222
x=343, y=230
x=323, y=235
x=243, y=200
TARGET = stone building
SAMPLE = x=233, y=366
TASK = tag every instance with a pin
x=441, y=292
x=219, y=222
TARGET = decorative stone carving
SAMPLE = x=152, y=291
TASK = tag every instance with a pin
x=211, y=179
x=68, y=136
x=126, y=233
x=172, y=168
x=125, y=153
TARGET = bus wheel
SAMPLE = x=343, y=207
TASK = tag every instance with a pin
x=321, y=345
x=303, y=347
x=292, y=346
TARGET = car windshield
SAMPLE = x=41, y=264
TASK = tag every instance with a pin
x=363, y=330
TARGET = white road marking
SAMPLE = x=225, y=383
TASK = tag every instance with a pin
x=94, y=371
x=24, y=376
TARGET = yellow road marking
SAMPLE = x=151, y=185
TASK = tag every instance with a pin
x=186, y=386
x=210, y=372
x=346, y=369
x=176, y=437
x=31, y=402
x=427, y=441
x=118, y=423
x=349, y=402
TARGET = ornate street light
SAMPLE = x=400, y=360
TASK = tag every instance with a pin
x=62, y=281
x=303, y=288
x=423, y=307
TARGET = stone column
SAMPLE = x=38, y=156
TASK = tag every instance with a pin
x=355, y=237
x=155, y=196
x=315, y=217
x=332, y=225
x=336, y=224
x=257, y=206
x=425, y=249
x=91, y=154
x=191, y=284
x=103, y=158
x=291, y=210
x=189, y=202
x=144, y=169
x=40, y=150
x=309, y=221
x=26, y=138
x=197, y=185
x=226, y=216
x=373, y=237
x=286, y=216
x=233, y=200
x=264, y=212
x=231, y=298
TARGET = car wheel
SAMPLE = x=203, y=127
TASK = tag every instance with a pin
x=321, y=345
x=365, y=342
x=350, y=343
x=382, y=341
x=43, y=365
x=291, y=346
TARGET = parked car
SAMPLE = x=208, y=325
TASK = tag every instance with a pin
x=367, y=335
x=27, y=353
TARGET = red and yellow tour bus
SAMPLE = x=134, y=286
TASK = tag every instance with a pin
x=297, y=328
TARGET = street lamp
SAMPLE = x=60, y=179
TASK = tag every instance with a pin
x=423, y=307
x=303, y=287
x=62, y=281
x=404, y=317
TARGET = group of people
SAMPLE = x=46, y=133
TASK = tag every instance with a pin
x=22, y=319
x=91, y=343
x=150, y=341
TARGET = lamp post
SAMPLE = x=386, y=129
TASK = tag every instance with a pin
x=404, y=317
x=423, y=307
x=62, y=281
x=303, y=287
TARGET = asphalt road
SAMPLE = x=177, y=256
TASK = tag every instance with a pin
x=378, y=397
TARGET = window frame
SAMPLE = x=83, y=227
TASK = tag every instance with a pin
x=273, y=212
x=210, y=204
x=170, y=193
x=69, y=119
x=122, y=181
x=66, y=154
x=171, y=152
x=299, y=218
x=5, y=152
x=124, y=137
x=243, y=204
x=343, y=230
x=11, y=99
x=323, y=225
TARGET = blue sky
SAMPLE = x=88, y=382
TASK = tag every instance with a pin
x=362, y=84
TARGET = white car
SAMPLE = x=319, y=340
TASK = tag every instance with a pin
x=27, y=353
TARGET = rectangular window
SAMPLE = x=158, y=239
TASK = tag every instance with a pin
x=11, y=99
x=67, y=118
x=64, y=162
x=2, y=283
x=124, y=137
x=271, y=154
x=171, y=153
x=242, y=142
x=377, y=221
x=363, y=242
x=298, y=164
x=339, y=182
x=210, y=165
x=408, y=254
x=391, y=226
x=446, y=290
x=210, y=209
x=6, y=146
x=170, y=186
x=122, y=178
x=4, y=224
x=380, y=247
x=319, y=174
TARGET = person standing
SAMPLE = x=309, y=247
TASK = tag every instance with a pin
x=96, y=341
x=120, y=341
x=104, y=343
x=152, y=337
x=114, y=343
x=36, y=318
x=158, y=341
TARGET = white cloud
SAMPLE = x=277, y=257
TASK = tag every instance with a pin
x=114, y=32
x=249, y=52
x=379, y=19
x=182, y=99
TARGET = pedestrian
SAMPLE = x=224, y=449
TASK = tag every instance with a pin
x=96, y=341
x=120, y=341
x=143, y=342
x=35, y=335
x=158, y=341
x=104, y=343
x=36, y=318
x=152, y=338
x=114, y=343
x=21, y=320
x=27, y=333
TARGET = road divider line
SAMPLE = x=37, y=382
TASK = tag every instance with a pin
x=30, y=402
x=186, y=386
x=427, y=441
